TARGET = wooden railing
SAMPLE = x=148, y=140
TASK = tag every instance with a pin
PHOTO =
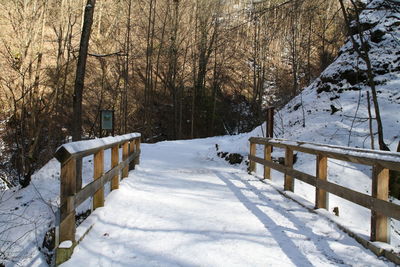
x=381, y=161
x=71, y=196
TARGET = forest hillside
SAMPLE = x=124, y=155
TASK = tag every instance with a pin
x=168, y=69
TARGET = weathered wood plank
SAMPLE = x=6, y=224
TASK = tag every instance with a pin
x=380, y=190
x=137, y=142
x=267, y=156
x=98, y=197
x=125, y=155
x=68, y=228
x=252, y=164
x=114, y=163
x=67, y=192
x=289, y=182
x=321, y=196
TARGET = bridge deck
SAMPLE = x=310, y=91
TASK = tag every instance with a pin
x=180, y=208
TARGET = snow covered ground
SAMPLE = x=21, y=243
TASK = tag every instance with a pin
x=185, y=207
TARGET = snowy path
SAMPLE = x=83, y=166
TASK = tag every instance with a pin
x=181, y=209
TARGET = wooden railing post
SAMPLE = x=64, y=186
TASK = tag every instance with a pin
x=252, y=164
x=267, y=156
x=137, y=142
x=132, y=147
x=380, y=190
x=125, y=152
x=98, y=197
x=67, y=209
x=321, y=196
x=114, y=163
x=289, y=183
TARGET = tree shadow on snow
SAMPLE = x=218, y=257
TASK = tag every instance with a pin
x=277, y=231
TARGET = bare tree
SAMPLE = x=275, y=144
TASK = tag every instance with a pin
x=362, y=51
x=80, y=71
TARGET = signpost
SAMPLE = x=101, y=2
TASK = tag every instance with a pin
x=106, y=121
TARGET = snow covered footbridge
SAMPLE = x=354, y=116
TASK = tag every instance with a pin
x=183, y=206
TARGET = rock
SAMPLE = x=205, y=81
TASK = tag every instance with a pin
x=49, y=239
x=353, y=77
x=324, y=88
x=232, y=158
x=376, y=36
x=334, y=109
x=297, y=106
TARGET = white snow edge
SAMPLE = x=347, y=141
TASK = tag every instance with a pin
x=82, y=146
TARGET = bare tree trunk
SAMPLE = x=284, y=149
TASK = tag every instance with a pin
x=371, y=130
x=80, y=71
x=126, y=66
x=293, y=44
x=194, y=71
x=172, y=72
x=181, y=95
x=160, y=49
x=149, y=61
x=100, y=18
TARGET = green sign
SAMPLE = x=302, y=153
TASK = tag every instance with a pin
x=107, y=119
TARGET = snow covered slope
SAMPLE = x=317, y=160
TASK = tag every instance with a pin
x=26, y=215
x=335, y=104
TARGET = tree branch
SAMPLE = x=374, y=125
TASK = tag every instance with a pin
x=119, y=53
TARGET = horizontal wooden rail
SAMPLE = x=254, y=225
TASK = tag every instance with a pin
x=386, y=159
x=382, y=162
x=71, y=196
x=81, y=149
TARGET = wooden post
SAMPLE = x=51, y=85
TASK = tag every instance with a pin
x=267, y=156
x=137, y=160
x=289, y=183
x=125, y=151
x=252, y=164
x=380, y=190
x=67, y=192
x=132, y=147
x=321, y=196
x=114, y=163
x=98, y=197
